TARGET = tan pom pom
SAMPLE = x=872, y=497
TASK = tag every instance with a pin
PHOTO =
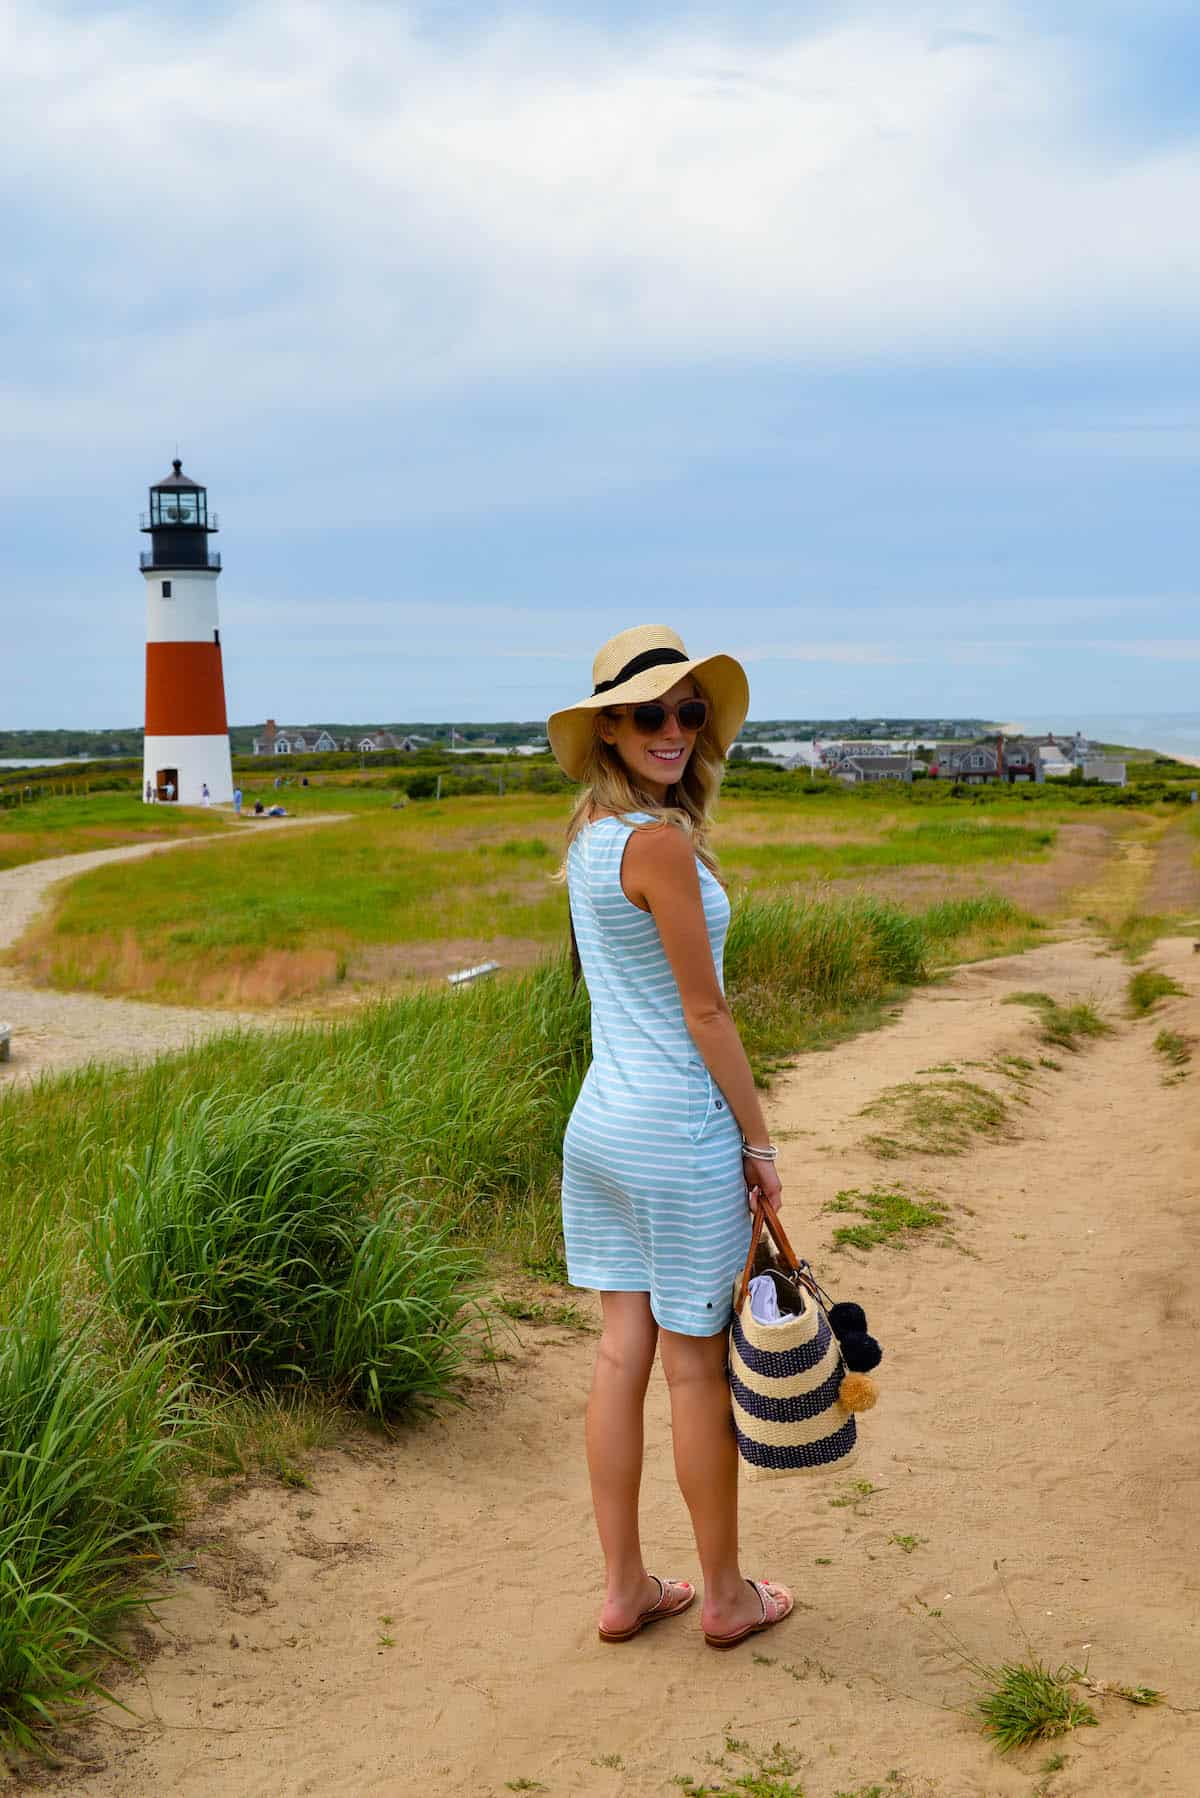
x=857, y=1392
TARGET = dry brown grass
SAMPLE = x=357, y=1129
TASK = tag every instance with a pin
x=1174, y=884
x=1045, y=889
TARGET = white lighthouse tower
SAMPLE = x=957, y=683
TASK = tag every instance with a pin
x=187, y=733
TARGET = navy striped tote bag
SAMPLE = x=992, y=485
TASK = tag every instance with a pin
x=786, y=1377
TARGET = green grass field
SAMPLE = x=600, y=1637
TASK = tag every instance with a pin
x=70, y=824
x=287, y=917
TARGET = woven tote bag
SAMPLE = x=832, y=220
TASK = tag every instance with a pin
x=785, y=1377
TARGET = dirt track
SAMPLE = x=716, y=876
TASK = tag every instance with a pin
x=1038, y=1410
x=53, y=1031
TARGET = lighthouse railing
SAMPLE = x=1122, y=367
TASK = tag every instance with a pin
x=212, y=562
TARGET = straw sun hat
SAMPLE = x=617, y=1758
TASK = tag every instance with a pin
x=642, y=664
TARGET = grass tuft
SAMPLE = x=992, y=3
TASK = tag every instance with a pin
x=747, y=1772
x=1147, y=987
x=985, y=920
x=1174, y=1048
x=1025, y=1702
x=1137, y=932
x=1063, y=1025
x=939, y=1117
x=889, y=1218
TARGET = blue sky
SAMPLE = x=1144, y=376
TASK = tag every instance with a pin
x=859, y=340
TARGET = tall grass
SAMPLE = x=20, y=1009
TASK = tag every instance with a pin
x=792, y=963
x=245, y=1235
x=982, y=914
x=89, y=1460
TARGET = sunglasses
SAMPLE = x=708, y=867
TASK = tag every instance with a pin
x=648, y=719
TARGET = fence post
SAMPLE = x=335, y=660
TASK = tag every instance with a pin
x=438, y=794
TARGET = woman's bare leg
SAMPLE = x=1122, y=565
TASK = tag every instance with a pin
x=706, y=1468
x=614, y=1448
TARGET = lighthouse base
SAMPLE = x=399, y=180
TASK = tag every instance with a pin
x=187, y=764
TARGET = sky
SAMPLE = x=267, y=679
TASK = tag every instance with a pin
x=859, y=341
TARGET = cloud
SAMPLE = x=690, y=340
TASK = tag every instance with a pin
x=322, y=208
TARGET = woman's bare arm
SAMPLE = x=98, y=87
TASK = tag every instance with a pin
x=659, y=874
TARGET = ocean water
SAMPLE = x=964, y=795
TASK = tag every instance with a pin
x=1174, y=733
x=37, y=761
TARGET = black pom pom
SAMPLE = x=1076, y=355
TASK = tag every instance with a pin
x=845, y=1316
x=860, y=1352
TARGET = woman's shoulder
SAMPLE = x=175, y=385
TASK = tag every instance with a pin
x=664, y=844
x=622, y=818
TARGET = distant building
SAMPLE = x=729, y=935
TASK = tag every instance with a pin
x=292, y=740
x=1054, y=764
x=1104, y=768
x=384, y=739
x=1001, y=759
x=863, y=768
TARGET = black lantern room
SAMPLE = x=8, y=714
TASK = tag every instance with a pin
x=179, y=524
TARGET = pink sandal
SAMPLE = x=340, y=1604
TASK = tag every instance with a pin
x=674, y=1596
x=776, y=1602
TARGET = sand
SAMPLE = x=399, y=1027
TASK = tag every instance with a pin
x=423, y=1620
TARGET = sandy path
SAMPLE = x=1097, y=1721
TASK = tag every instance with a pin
x=1038, y=1410
x=51, y=1030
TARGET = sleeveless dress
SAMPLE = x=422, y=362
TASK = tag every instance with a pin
x=653, y=1194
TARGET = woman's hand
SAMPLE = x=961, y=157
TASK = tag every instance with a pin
x=763, y=1183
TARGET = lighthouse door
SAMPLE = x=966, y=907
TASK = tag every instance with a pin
x=164, y=779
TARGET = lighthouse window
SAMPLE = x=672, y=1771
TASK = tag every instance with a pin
x=166, y=587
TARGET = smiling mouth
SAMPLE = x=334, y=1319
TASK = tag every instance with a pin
x=666, y=755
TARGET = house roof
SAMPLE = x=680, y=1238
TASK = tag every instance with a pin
x=880, y=764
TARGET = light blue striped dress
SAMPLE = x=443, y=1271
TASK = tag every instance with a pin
x=654, y=1198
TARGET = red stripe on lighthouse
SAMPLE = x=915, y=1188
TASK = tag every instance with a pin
x=185, y=690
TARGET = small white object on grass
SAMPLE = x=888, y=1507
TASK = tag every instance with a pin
x=466, y=974
x=5, y=1041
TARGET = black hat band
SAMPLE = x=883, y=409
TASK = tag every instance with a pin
x=649, y=658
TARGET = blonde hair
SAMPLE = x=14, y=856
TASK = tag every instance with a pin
x=608, y=786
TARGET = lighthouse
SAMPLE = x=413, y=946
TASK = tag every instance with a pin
x=187, y=734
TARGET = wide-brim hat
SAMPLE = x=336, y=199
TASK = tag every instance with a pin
x=642, y=664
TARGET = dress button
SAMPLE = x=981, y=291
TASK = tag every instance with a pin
x=720, y=1104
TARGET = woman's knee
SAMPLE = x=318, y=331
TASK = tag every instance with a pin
x=693, y=1360
x=629, y=1337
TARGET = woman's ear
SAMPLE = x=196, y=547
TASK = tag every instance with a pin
x=606, y=728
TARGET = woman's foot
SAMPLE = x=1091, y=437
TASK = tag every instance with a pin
x=756, y=1607
x=624, y=1615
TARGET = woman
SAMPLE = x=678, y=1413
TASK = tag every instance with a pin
x=666, y=1151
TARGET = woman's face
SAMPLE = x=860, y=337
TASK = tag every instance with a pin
x=655, y=762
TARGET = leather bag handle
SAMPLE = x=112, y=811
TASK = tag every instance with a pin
x=765, y=1218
